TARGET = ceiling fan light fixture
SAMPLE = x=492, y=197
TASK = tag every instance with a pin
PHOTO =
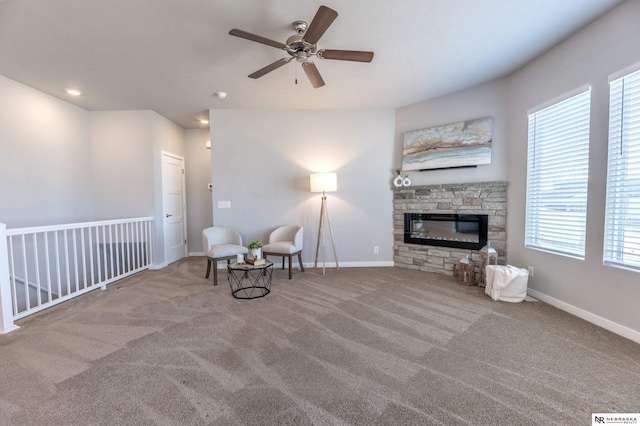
x=73, y=92
x=203, y=121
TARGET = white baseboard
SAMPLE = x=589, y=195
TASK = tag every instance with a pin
x=376, y=264
x=157, y=266
x=195, y=253
x=614, y=327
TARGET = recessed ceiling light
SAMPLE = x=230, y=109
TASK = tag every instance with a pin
x=220, y=95
x=204, y=121
x=73, y=92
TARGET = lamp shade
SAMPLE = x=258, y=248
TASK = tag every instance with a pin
x=323, y=182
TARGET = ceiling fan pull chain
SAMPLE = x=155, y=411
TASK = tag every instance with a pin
x=295, y=66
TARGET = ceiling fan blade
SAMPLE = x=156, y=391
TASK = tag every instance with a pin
x=243, y=34
x=314, y=76
x=346, y=55
x=323, y=19
x=269, y=68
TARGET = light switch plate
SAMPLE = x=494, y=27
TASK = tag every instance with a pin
x=224, y=204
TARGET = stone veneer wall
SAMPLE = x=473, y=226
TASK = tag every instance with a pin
x=488, y=198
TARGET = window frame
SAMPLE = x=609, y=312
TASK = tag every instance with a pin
x=558, y=142
x=622, y=211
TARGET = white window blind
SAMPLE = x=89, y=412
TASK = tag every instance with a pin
x=557, y=176
x=622, y=222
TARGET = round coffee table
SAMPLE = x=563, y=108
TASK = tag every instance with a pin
x=250, y=281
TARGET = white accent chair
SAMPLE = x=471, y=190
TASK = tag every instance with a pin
x=506, y=283
x=285, y=241
x=221, y=243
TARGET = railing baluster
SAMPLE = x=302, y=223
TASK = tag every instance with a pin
x=57, y=253
x=117, y=242
x=84, y=258
x=111, y=250
x=104, y=252
x=47, y=264
x=98, y=262
x=149, y=246
x=93, y=272
x=75, y=258
x=37, y=268
x=27, y=296
x=12, y=272
x=128, y=227
x=137, y=245
x=66, y=260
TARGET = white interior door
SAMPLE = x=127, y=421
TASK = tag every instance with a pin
x=174, y=207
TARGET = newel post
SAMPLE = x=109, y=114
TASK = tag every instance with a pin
x=6, y=311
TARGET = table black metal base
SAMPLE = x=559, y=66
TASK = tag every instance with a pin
x=248, y=281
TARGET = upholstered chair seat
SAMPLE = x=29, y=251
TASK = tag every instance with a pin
x=286, y=241
x=220, y=243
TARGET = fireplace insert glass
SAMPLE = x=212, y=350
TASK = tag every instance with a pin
x=465, y=231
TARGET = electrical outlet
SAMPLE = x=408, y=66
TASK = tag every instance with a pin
x=530, y=269
x=210, y=186
x=376, y=250
x=224, y=204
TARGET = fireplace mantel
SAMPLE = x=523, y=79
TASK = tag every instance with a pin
x=481, y=198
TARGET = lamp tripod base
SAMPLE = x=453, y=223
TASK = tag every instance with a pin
x=324, y=212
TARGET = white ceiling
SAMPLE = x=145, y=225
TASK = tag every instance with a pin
x=170, y=56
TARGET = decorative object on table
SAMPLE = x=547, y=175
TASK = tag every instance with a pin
x=286, y=241
x=461, y=144
x=221, y=243
x=397, y=181
x=466, y=271
x=406, y=181
x=250, y=281
x=255, y=262
x=255, y=248
x=324, y=182
x=488, y=256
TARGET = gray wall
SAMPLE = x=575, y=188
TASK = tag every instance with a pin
x=45, y=173
x=490, y=99
x=261, y=161
x=198, y=175
x=122, y=164
x=71, y=165
x=609, y=44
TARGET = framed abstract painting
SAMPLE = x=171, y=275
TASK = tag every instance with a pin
x=461, y=144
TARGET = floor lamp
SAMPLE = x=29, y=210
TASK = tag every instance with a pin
x=324, y=182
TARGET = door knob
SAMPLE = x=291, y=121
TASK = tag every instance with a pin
x=169, y=215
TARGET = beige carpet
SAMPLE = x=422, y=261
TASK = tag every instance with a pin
x=366, y=346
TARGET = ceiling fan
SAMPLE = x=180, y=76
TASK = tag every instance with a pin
x=302, y=46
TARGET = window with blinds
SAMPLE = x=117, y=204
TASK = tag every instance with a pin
x=557, y=176
x=622, y=222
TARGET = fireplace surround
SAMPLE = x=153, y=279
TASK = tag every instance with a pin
x=484, y=198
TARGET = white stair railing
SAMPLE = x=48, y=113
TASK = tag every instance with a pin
x=46, y=265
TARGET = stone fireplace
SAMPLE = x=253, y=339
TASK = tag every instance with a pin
x=437, y=225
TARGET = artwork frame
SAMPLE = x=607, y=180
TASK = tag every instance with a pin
x=460, y=144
